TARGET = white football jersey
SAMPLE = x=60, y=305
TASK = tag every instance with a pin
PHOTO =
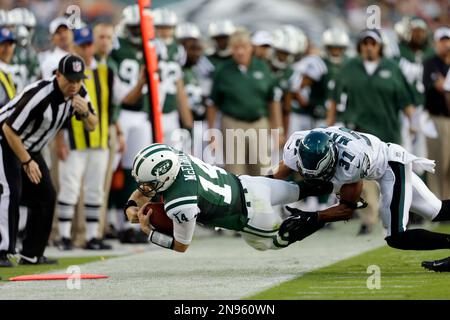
x=360, y=155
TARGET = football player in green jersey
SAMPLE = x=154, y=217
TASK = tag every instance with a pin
x=194, y=191
x=173, y=98
x=220, y=33
x=133, y=118
x=25, y=65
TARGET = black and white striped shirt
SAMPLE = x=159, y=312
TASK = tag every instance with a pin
x=38, y=112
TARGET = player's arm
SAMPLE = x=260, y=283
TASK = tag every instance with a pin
x=282, y=171
x=135, y=203
x=183, y=105
x=182, y=232
x=133, y=95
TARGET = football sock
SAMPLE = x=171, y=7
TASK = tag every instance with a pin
x=92, y=213
x=65, y=215
x=444, y=213
x=419, y=239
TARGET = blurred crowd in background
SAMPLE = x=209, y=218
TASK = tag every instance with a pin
x=284, y=65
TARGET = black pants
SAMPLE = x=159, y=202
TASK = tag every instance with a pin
x=39, y=198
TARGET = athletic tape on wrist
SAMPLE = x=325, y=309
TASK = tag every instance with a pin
x=161, y=239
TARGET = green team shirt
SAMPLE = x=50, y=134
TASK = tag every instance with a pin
x=208, y=193
x=194, y=92
x=372, y=102
x=244, y=95
x=25, y=67
x=128, y=59
x=330, y=79
x=217, y=60
x=411, y=64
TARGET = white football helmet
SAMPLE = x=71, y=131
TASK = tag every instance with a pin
x=297, y=36
x=6, y=19
x=23, y=16
x=335, y=37
x=284, y=42
x=155, y=168
x=25, y=22
x=130, y=15
x=163, y=17
x=403, y=29
x=187, y=30
x=221, y=28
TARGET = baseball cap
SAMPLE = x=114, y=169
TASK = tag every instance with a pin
x=7, y=35
x=261, y=38
x=370, y=33
x=441, y=33
x=83, y=36
x=418, y=23
x=58, y=22
x=72, y=67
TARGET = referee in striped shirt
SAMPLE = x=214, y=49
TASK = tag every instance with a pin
x=28, y=123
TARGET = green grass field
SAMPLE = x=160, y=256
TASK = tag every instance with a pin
x=402, y=277
x=64, y=263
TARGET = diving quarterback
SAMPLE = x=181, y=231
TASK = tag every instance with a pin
x=194, y=191
x=346, y=158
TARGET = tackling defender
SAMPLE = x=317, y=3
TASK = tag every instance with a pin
x=194, y=191
x=345, y=158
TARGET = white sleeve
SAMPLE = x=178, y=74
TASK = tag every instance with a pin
x=290, y=149
x=313, y=67
x=447, y=82
x=120, y=90
x=183, y=232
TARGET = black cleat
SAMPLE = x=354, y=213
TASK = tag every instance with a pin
x=442, y=265
x=4, y=261
x=24, y=260
x=64, y=244
x=97, y=244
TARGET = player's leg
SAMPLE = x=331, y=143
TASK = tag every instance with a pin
x=41, y=199
x=10, y=187
x=261, y=231
x=397, y=194
x=70, y=173
x=94, y=180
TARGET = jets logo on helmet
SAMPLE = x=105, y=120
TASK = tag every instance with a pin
x=317, y=156
x=155, y=168
x=162, y=168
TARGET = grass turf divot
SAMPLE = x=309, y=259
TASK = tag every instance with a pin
x=64, y=263
x=401, y=277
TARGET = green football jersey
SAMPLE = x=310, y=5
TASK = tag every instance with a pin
x=411, y=64
x=25, y=67
x=170, y=58
x=194, y=92
x=128, y=59
x=209, y=191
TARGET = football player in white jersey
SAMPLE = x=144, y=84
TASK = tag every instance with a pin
x=346, y=158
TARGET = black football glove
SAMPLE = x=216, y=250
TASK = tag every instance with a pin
x=299, y=225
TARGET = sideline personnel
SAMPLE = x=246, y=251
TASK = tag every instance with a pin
x=29, y=122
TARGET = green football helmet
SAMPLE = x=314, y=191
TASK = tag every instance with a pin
x=317, y=156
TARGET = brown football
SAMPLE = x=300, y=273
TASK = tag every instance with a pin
x=159, y=219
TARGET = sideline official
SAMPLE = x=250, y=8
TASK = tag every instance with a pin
x=29, y=122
